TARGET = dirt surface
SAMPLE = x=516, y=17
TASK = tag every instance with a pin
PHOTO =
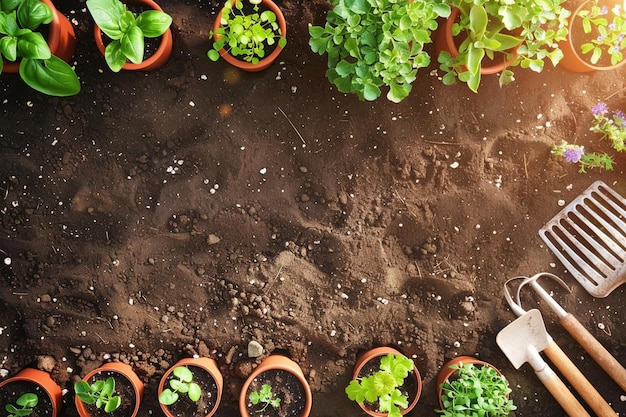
x=196, y=208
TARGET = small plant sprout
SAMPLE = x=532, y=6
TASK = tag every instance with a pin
x=183, y=384
x=264, y=396
x=101, y=393
x=382, y=386
x=27, y=401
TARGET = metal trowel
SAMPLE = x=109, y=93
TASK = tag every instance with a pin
x=521, y=341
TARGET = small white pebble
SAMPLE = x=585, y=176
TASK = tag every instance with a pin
x=263, y=171
x=561, y=203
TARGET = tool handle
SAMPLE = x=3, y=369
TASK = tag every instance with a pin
x=602, y=356
x=581, y=384
x=560, y=393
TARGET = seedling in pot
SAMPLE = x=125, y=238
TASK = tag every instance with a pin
x=27, y=401
x=383, y=385
x=101, y=393
x=184, y=384
x=264, y=396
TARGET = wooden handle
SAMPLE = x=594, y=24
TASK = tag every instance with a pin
x=562, y=395
x=602, y=356
x=581, y=384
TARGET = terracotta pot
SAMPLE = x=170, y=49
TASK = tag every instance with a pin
x=276, y=362
x=161, y=55
x=42, y=379
x=573, y=60
x=268, y=60
x=61, y=39
x=446, y=372
x=375, y=354
x=121, y=368
x=208, y=365
x=445, y=42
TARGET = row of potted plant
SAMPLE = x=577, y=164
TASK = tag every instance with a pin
x=373, y=44
x=385, y=382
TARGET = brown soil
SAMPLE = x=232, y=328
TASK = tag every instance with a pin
x=196, y=208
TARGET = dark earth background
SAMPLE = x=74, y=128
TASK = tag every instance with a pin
x=196, y=208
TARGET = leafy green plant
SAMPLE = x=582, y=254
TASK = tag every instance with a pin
x=608, y=30
x=383, y=385
x=183, y=384
x=244, y=35
x=101, y=393
x=27, y=402
x=127, y=30
x=20, y=39
x=475, y=391
x=375, y=43
x=524, y=32
x=264, y=396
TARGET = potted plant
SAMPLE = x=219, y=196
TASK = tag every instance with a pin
x=193, y=386
x=376, y=44
x=248, y=35
x=469, y=386
x=597, y=37
x=113, y=385
x=30, y=391
x=385, y=383
x=127, y=32
x=276, y=387
x=23, y=48
x=522, y=33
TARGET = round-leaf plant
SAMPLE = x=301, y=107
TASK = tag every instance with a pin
x=182, y=384
x=20, y=39
x=383, y=385
x=126, y=30
x=101, y=393
x=27, y=402
x=264, y=396
x=475, y=391
x=376, y=43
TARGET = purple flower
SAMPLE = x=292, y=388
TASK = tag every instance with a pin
x=599, y=109
x=619, y=117
x=600, y=38
x=573, y=155
x=604, y=10
x=620, y=36
x=612, y=26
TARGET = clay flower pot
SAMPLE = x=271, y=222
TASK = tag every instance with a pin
x=207, y=375
x=161, y=55
x=374, y=355
x=269, y=59
x=445, y=41
x=273, y=366
x=126, y=373
x=61, y=39
x=446, y=372
x=39, y=378
x=573, y=60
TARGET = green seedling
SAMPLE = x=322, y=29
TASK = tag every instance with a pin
x=264, y=396
x=184, y=384
x=101, y=393
x=27, y=401
x=382, y=386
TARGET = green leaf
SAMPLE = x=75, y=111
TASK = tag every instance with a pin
x=114, y=56
x=153, y=23
x=8, y=48
x=52, y=76
x=478, y=21
x=133, y=45
x=168, y=397
x=32, y=13
x=371, y=92
x=195, y=392
x=28, y=400
x=107, y=14
x=113, y=404
x=183, y=373
x=33, y=45
x=357, y=6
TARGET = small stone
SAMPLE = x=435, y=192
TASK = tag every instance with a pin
x=213, y=239
x=46, y=363
x=46, y=298
x=254, y=349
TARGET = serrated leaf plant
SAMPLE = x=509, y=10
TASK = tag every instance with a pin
x=183, y=383
x=246, y=34
x=376, y=43
x=101, y=393
x=27, y=402
x=525, y=32
x=21, y=39
x=126, y=30
x=264, y=396
x=382, y=386
x=475, y=390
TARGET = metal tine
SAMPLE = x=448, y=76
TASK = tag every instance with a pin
x=608, y=256
x=586, y=267
x=621, y=211
x=610, y=237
